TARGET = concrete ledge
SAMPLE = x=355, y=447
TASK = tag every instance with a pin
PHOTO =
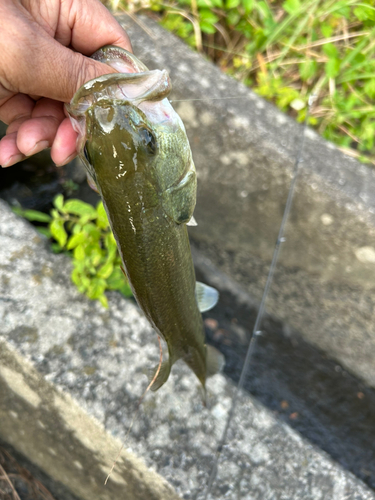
x=52, y=339
x=244, y=151
x=58, y=436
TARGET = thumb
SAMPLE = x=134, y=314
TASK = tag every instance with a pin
x=33, y=62
x=58, y=72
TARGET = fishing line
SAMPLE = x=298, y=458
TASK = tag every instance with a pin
x=259, y=318
x=209, y=99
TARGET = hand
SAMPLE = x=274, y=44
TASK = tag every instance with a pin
x=44, y=46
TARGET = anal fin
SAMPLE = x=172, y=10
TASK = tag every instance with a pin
x=162, y=377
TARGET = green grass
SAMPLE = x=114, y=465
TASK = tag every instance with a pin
x=287, y=50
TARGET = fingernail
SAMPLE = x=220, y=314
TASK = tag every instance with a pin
x=13, y=159
x=67, y=160
x=39, y=146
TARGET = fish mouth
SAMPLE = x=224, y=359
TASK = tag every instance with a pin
x=119, y=59
x=118, y=88
x=134, y=85
x=134, y=88
x=132, y=81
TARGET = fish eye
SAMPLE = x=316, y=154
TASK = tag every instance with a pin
x=148, y=140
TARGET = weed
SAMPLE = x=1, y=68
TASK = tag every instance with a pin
x=288, y=50
x=83, y=232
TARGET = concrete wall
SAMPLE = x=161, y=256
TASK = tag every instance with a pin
x=71, y=374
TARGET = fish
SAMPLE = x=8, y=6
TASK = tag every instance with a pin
x=137, y=155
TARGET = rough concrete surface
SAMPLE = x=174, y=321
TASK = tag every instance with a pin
x=244, y=151
x=52, y=337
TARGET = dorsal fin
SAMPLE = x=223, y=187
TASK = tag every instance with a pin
x=207, y=296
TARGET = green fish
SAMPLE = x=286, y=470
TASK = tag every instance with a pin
x=136, y=152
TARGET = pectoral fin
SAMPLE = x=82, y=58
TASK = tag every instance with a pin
x=179, y=200
x=92, y=183
x=207, y=296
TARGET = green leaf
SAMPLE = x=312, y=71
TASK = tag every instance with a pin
x=78, y=207
x=106, y=270
x=92, y=230
x=79, y=252
x=77, y=228
x=59, y=202
x=102, y=220
x=233, y=17
x=232, y=4
x=76, y=277
x=55, y=214
x=110, y=244
x=364, y=13
x=292, y=6
x=332, y=67
x=343, y=11
x=58, y=231
x=263, y=9
x=125, y=289
x=94, y=254
x=369, y=88
x=45, y=231
x=209, y=3
x=207, y=28
x=32, y=215
x=56, y=248
x=85, y=281
x=248, y=5
x=96, y=288
x=308, y=69
x=116, y=279
x=326, y=30
x=103, y=300
x=208, y=16
x=330, y=50
x=85, y=219
x=75, y=240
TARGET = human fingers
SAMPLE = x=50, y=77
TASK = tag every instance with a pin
x=45, y=66
x=9, y=153
x=39, y=131
x=91, y=27
x=64, y=146
x=41, y=46
x=38, y=134
x=14, y=112
x=16, y=107
x=34, y=131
